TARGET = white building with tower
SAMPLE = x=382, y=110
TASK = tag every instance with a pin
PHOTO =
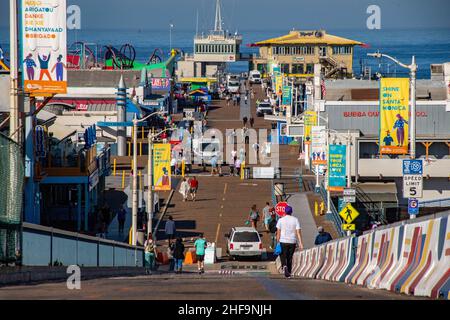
x=211, y=52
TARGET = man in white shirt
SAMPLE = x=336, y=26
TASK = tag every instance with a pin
x=288, y=232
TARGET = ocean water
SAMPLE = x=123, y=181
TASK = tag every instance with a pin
x=428, y=45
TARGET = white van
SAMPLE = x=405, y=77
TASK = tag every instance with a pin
x=233, y=86
x=255, y=77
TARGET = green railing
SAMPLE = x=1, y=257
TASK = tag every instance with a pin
x=11, y=198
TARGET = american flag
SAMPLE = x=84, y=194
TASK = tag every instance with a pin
x=324, y=89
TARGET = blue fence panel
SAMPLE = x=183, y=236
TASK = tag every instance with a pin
x=131, y=257
x=106, y=255
x=87, y=253
x=64, y=250
x=140, y=258
x=42, y=246
x=120, y=257
x=37, y=246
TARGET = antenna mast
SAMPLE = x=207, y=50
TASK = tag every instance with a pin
x=218, y=22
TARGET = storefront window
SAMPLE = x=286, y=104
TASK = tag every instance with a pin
x=298, y=68
x=285, y=68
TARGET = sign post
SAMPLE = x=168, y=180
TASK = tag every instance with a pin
x=413, y=207
x=349, y=214
x=280, y=209
x=413, y=184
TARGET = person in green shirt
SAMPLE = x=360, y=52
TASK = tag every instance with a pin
x=200, y=246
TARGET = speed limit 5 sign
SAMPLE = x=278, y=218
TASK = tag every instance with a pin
x=412, y=186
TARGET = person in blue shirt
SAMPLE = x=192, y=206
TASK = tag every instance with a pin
x=29, y=62
x=322, y=237
x=200, y=246
x=400, y=126
x=388, y=139
x=43, y=62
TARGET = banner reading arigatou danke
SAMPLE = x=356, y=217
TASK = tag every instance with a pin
x=44, y=46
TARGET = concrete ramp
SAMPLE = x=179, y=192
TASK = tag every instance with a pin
x=302, y=211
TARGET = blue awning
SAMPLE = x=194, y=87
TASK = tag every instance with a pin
x=132, y=108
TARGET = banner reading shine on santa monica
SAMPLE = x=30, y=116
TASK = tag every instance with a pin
x=309, y=120
x=394, y=115
x=161, y=167
x=44, y=46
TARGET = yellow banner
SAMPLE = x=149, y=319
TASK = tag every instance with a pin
x=161, y=167
x=394, y=115
x=279, y=85
x=309, y=121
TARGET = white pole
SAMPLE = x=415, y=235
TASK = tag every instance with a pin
x=413, y=69
x=135, y=191
x=317, y=109
x=14, y=73
x=328, y=173
x=150, y=199
x=412, y=129
x=349, y=160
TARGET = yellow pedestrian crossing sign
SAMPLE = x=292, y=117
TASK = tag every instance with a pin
x=349, y=227
x=349, y=213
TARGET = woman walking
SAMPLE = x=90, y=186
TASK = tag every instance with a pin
x=184, y=189
x=178, y=255
x=150, y=254
x=254, y=216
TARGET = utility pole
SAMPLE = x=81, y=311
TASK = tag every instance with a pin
x=135, y=200
x=328, y=173
x=412, y=74
x=349, y=160
x=150, y=195
x=14, y=73
x=135, y=190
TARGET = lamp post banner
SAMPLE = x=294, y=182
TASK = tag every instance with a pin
x=394, y=115
x=310, y=120
x=161, y=167
x=44, y=46
x=337, y=167
x=318, y=145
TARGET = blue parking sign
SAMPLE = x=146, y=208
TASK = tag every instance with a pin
x=413, y=206
x=412, y=167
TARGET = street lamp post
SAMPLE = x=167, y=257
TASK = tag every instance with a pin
x=412, y=71
x=14, y=75
x=150, y=194
x=135, y=182
x=170, y=36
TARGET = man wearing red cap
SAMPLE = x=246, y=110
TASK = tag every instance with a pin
x=288, y=232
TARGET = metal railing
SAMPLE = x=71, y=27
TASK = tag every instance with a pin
x=372, y=208
x=334, y=215
x=439, y=203
x=46, y=246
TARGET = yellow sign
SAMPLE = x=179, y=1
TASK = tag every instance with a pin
x=161, y=167
x=349, y=227
x=349, y=213
x=309, y=120
x=279, y=85
x=394, y=115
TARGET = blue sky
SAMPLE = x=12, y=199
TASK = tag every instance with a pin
x=256, y=14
